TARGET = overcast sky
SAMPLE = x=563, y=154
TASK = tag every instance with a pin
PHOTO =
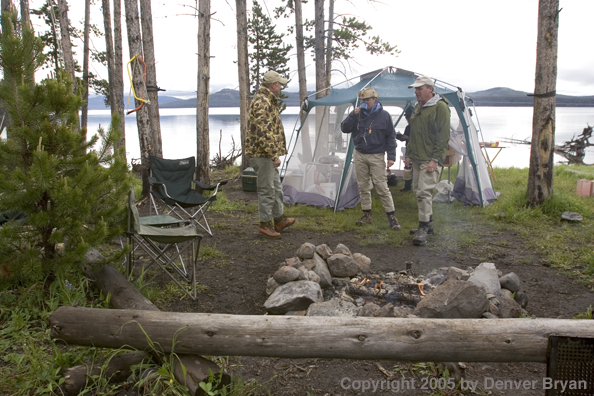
x=472, y=44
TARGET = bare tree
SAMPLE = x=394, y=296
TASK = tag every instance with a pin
x=319, y=48
x=151, y=75
x=6, y=5
x=65, y=40
x=142, y=120
x=26, y=20
x=118, y=68
x=329, y=38
x=540, y=175
x=111, y=69
x=202, y=130
x=302, y=78
x=85, y=109
x=243, y=74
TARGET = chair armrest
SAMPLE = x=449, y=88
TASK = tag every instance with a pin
x=154, y=182
x=204, y=186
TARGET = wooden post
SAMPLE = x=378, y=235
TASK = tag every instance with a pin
x=421, y=340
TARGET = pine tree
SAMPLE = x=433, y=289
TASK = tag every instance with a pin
x=268, y=52
x=72, y=192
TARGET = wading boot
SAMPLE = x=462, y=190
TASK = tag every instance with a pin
x=429, y=227
x=393, y=222
x=365, y=219
x=267, y=230
x=282, y=223
x=420, y=238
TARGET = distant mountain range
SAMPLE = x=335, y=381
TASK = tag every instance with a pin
x=490, y=97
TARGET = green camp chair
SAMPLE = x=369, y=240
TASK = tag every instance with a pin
x=171, y=182
x=150, y=234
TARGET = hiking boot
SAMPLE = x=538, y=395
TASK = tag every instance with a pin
x=365, y=219
x=405, y=189
x=421, y=238
x=283, y=223
x=266, y=229
x=429, y=229
x=393, y=222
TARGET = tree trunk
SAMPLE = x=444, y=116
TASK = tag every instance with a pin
x=202, y=130
x=142, y=119
x=85, y=108
x=362, y=338
x=319, y=49
x=306, y=144
x=25, y=18
x=118, y=70
x=243, y=74
x=329, y=43
x=109, y=53
x=151, y=75
x=65, y=40
x=540, y=176
x=6, y=5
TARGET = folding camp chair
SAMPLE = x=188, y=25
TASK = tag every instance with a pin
x=171, y=182
x=150, y=234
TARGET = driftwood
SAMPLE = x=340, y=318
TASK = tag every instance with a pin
x=574, y=150
x=402, y=339
x=221, y=162
x=125, y=296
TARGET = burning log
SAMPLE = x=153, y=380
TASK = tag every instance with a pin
x=402, y=339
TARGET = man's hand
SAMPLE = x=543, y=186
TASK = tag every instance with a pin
x=406, y=161
x=276, y=162
x=390, y=163
x=432, y=166
x=357, y=110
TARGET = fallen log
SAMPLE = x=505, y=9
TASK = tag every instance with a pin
x=125, y=296
x=117, y=369
x=402, y=339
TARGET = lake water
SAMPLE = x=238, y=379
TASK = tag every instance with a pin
x=178, y=130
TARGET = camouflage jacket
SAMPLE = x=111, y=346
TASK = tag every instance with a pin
x=265, y=135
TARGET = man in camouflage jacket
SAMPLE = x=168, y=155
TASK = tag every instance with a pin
x=265, y=144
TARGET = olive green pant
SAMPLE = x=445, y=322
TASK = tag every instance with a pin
x=423, y=184
x=372, y=168
x=270, y=189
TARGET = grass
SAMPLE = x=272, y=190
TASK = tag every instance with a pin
x=32, y=363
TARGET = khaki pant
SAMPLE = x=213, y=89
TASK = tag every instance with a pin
x=423, y=185
x=270, y=189
x=372, y=168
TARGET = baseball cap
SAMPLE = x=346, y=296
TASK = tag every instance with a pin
x=271, y=77
x=422, y=80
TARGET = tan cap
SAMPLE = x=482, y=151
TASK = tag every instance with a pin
x=422, y=80
x=367, y=93
x=271, y=77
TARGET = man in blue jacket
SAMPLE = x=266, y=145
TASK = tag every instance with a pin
x=373, y=135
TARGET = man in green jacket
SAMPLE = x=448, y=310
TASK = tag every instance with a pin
x=426, y=150
x=265, y=144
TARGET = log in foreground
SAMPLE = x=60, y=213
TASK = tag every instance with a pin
x=436, y=340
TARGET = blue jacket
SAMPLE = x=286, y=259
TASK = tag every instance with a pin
x=372, y=134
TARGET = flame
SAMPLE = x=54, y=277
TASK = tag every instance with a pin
x=421, y=289
x=379, y=285
x=363, y=281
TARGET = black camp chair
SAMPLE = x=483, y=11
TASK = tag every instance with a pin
x=171, y=182
x=162, y=244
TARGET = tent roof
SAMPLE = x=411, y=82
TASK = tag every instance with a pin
x=391, y=84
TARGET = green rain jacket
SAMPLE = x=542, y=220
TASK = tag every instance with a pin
x=430, y=131
x=265, y=137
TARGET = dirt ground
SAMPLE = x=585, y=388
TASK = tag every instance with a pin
x=238, y=287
